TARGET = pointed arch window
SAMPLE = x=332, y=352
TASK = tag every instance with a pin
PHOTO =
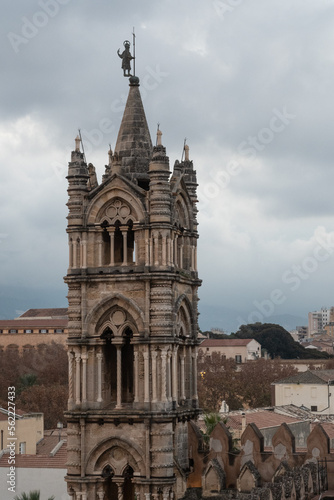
x=118, y=353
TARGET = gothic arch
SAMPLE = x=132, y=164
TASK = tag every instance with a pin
x=117, y=453
x=101, y=203
x=182, y=214
x=115, y=300
x=183, y=315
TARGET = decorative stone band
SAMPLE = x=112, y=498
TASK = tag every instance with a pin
x=161, y=450
x=162, y=466
x=161, y=433
x=73, y=464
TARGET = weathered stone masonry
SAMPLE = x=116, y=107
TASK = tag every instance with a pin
x=132, y=293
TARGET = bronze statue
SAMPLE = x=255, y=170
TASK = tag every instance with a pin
x=126, y=58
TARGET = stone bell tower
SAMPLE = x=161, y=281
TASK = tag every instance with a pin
x=132, y=292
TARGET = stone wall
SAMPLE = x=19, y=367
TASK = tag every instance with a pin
x=218, y=470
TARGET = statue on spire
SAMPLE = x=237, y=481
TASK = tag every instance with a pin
x=126, y=58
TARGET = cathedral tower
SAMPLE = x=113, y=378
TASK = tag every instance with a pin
x=132, y=292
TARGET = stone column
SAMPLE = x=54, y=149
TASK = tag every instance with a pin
x=124, y=230
x=181, y=254
x=119, y=376
x=190, y=372
x=84, y=251
x=168, y=250
x=182, y=376
x=164, y=251
x=169, y=376
x=151, y=251
x=120, y=489
x=70, y=377
x=163, y=375
x=99, y=248
x=75, y=253
x=174, y=374
x=146, y=376
x=70, y=253
x=84, y=358
x=154, y=375
x=156, y=250
x=111, y=231
x=136, y=374
x=77, y=378
x=147, y=248
x=100, y=495
x=175, y=250
x=99, y=356
x=195, y=258
x=192, y=267
x=136, y=249
x=194, y=357
x=171, y=252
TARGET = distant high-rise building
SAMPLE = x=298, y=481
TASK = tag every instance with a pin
x=317, y=320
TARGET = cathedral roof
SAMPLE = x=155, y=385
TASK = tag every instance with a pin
x=134, y=145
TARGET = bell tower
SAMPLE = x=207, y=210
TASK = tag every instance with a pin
x=132, y=292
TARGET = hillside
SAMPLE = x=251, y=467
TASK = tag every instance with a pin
x=277, y=341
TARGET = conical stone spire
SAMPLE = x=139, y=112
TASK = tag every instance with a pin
x=134, y=145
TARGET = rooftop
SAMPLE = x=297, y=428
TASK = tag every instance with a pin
x=309, y=377
x=225, y=342
x=51, y=453
x=50, y=313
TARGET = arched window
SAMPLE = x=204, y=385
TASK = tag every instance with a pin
x=116, y=350
x=128, y=488
x=127, y=367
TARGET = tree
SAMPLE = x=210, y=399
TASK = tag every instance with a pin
x=256, y=378
x=32, y=495
x=277, y=341
x=217, y=381
x=210, y=421
x=49, y=399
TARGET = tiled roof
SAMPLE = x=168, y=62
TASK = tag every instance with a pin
x=309, y=377
x=43, y=458
x=60, y=312
x=225, y=342
x=262, y=419
x=46, y=461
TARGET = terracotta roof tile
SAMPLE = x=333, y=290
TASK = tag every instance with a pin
x=225, y=342
x=262, y=420
x=39, y=461
x=45, y=313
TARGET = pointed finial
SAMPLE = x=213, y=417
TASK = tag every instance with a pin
x=77, y=144
x=159, y=134
x=110, y=155
x=186, y=152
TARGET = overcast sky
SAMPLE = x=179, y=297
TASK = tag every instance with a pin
x=248, y=83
